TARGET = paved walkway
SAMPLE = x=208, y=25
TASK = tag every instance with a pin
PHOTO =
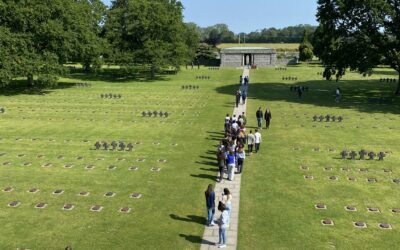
x=210, y=237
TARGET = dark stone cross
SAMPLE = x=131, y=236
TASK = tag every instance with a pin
x=327, y=118
x=353, y=155
x=97, y=145
x=114, y=145
x=321, y=118
x=122, y=145
x=362, y=154
x=129, y=146
x=371, y=155
x=381, y=155
x=315, y=118
x=344, y=154
x=105, y=145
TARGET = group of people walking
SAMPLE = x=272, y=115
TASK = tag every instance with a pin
x=231, y=155
x=224, y=206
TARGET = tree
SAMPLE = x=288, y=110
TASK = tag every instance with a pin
x=358, y=35
x=148, y=33
x=38, y=36
x=305, y=48
x=217, y=34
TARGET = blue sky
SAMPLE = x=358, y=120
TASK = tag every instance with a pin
x=249, y=15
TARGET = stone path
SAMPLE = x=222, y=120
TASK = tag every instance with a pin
x=210, y=237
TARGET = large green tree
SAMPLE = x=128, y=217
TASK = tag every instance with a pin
x=149, y=33
x=358, y=34
x=305, y=48
x=38, y=36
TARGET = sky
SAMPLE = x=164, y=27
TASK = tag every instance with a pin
x=249, y=15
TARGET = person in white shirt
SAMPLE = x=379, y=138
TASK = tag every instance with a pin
x=257, y=140
x=338, y=95
x=250, y=142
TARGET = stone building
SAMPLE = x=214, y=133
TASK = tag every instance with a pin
x=242, y=56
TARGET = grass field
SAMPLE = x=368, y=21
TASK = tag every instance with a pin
x=277, y=203
x=60, y=126
x=277, y=46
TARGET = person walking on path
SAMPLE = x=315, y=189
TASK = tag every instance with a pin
x=244, y=96
x=210, y=203
x=222, y=222
x=231, y=163
x=267, y=117
x=241, y=157
x=259, y=115
x=238, y=96
x=257, y=140
x=227, y=200
x=221, y=158
x=244, y=118
x=250, y=142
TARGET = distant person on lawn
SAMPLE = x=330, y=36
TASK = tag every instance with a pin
x=267, y=117
x=338, y=95
x=210, y=203
x=259, y=115
x=257, y=140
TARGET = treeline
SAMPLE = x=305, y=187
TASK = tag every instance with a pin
x=220, y=33
x=38, y=37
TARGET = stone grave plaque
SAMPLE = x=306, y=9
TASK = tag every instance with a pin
x=360, y=224
x=125, y=210
x=58, y=191
x=385, y=226
x=350, y=208
x=14, y=204
x=41, y=205
x=320, y=206
x=68, y=207
x=96, y=208
x=84, y=193
x=327, y=222
x=136, y=195
x=109, y=194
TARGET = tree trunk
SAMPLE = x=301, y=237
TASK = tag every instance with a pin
x=30, y=79
x=398, y=86
x=153, y=71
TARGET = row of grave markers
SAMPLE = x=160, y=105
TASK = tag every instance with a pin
x=83, y=85
x=194, y=87
x=296, y=88
x=110, y=96
x=203, y=77
x=346, y=169
x=327, y=118
x=351, y=178
x=114, y=145
x=155, y=114
x=289, y=78
x=362, y=153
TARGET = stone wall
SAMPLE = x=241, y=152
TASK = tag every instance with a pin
x=231, y=60
x=265, y=60
x=261, y=60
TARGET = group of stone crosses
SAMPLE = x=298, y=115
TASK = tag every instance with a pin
x=327, y=118
x=110, y=96
x=281, y=69
x=388, y=80
x=362, y=154
x=203, y=77
x=155, y=114
x=289, y=78
x=194, y=87
x=83, y=85
x=213, y=68
x=114, y=145
x=2, y=110
x=296, y=88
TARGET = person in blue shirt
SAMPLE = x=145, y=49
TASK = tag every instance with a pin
x=210, y=204
x=231, y=161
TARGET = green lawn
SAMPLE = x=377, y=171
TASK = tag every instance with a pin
x=68, y=121
x=277, y=203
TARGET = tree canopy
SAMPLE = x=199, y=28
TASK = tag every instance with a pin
x=149, y=33
x=38, y=36
x=359, y=35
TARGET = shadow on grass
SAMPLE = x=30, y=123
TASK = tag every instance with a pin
x=356, y=94
x=116, y=75
x=196, y=239
x=20, y=87
x=190, y=218
x=205, y=176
